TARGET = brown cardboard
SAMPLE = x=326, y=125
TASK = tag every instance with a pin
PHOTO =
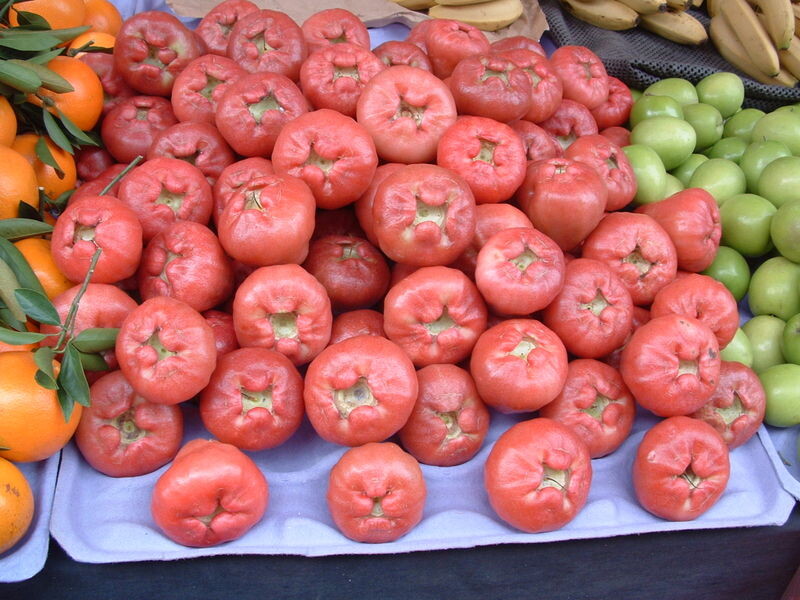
x=375, y=13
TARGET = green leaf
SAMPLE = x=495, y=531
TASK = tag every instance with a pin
x=50, y=79
x=37, y=306
x=26, y=211
x=67, y=402
x=55, y=132
x=96, y=339
x=43, y=153
x=46, y=57
x=14, y=259
x=9, y=283
x=31, y=20
x=17, y=229
x=34, y=41
x=70, y=33
x=62, y=199
x=19, y=77
x=72, y=378
x=18, y=338
x=45, y=376
x=93, y=362
x=76, y=132
x=7, y=318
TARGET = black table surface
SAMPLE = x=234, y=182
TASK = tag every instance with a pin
x=742, y=564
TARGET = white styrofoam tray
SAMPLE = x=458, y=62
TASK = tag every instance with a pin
x=28, y=556
x=117, y=525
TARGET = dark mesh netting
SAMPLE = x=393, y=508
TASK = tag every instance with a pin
x=640, y=58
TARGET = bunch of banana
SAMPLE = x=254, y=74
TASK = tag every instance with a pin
x=488, y=15
x=758, y=38
x=667, y=18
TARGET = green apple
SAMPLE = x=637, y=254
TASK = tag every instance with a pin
x=680, y=90
x=775, y=288
x=731, y=269
x=722, y=90
x=673, y=186
x=720, y=177
x=684, y=170
x=745, y=220
x=730, y=148
x=739, y=349
x=758, y=155
x=780, y=180
x=741, y=124
x=782, y=126
x=790, y=340
x=648, y=107
x=636, y=94
x=764, y=333
x=651, y=176
x=672, y=138
x=792, y=108
x=706, y=121
x=782, y=387
x=785, y=230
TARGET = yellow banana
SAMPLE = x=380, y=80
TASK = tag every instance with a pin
x=712, y=7
x=489, y=16
x=680, y=27
x=732, y=50
x=608, y=14
x=790, y=58
x=415, y=4
x=456, y=2
x=751, y=34
x=697, y=3
x=645, y=7
x=679, y=5
x=777, y=17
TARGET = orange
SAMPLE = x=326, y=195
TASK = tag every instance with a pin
x=103, y=16
x=8, y=122
x=17, y=183
x=16, y=505
x=97, y=39
x=32, y=425
x=47, y=176
x=30, y=326
x=60, y=14
x=84, y=104
x=37, y=252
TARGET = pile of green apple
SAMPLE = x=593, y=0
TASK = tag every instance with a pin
x=685, y=135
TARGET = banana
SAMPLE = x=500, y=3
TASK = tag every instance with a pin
x=488, y=16
x=790, y=58
x=712, y=7
x=679, y=5
x=645, y=7
x=415, y=4
x=778, y=20
x=608, y=14
x=732, y=50
x=680, y=27
x=457, y=2
x=751, y=34
x=19, y=77
x=697, y=3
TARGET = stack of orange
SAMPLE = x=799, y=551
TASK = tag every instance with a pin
x=22, y=175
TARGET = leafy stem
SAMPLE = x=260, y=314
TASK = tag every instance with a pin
x=69, y=322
